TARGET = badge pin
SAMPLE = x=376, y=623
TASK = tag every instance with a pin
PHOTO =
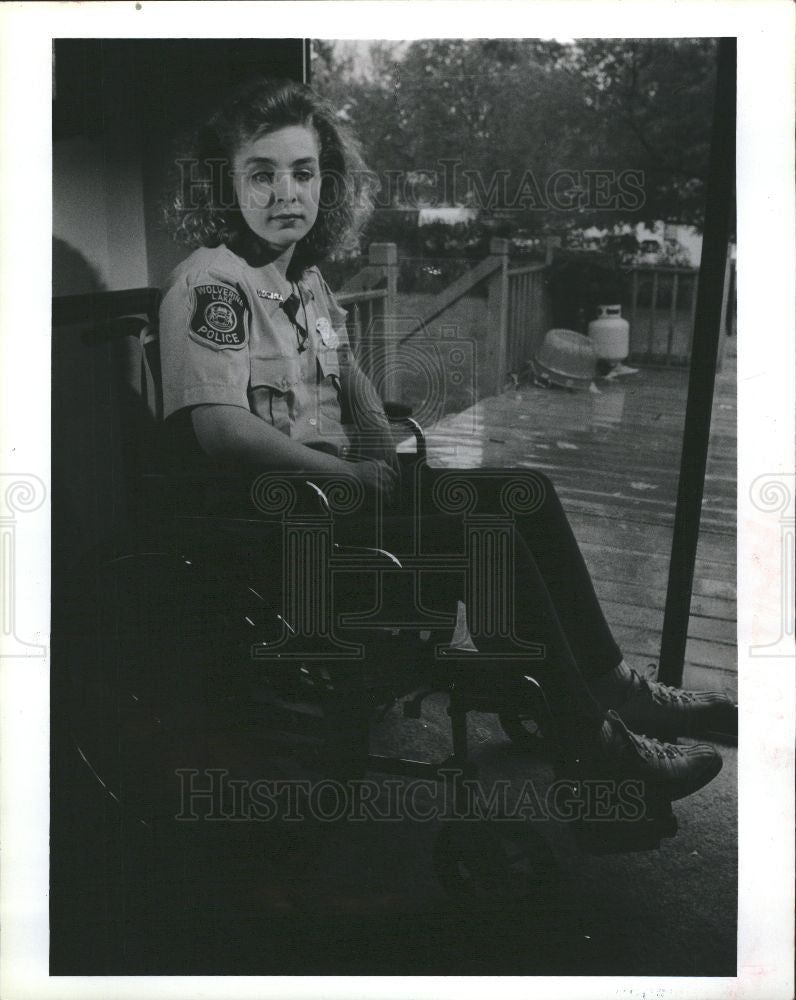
x=328, y=335
x=264, y=293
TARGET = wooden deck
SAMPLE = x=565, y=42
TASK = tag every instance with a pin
x=614, y=457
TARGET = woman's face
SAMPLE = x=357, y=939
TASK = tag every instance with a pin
x=278, y=185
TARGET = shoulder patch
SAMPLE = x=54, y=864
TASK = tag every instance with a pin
x=218, y=318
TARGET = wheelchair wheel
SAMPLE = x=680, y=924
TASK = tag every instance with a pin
x=493, y=862
x=523, y=731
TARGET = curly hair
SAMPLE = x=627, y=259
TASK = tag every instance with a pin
x=202, y=209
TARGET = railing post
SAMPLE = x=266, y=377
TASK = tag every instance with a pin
x=653, y=309
x=634, y=310
x=385, y=257
x=493, y=364
x=672, y=317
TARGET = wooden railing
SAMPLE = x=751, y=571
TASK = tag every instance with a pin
x=518, y=315
x=659, y=305
x=529, y=314
x=490, y=357
x=370, y=299
x=661, y=312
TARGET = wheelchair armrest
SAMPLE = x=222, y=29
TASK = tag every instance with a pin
x=397, y=411
x=401, y=413
x=224, y=493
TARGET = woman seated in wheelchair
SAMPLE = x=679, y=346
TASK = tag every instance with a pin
x=257, y=367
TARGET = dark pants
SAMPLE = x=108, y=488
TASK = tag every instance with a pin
x=496, y=540
x=539, y=592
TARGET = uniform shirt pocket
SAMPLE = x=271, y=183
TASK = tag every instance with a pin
x=330, y=394
x=329, y=362
x=275, y=388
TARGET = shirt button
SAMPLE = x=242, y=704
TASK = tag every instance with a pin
x=313, y=421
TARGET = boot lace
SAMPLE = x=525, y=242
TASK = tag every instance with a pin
x=661, y=694
x=654, y=748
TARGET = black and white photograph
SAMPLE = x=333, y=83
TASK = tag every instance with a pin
x=403, y=590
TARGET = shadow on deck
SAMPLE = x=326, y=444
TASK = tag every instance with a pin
x=614, y=457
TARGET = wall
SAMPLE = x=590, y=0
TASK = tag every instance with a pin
x=80, y=227
x=99, y=241
x=119, y=105
x=98, y=218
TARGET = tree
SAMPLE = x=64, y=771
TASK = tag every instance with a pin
x=654, y=99
x=552, y=137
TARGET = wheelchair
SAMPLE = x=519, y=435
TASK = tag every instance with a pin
x=178, y=642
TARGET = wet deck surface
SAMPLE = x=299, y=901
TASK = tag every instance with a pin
x=614, y=457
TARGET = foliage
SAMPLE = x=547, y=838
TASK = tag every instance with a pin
x=513, y=127
x=578, y=282
x=655, y=99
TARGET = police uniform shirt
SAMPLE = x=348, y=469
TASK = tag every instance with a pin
x=245, y=336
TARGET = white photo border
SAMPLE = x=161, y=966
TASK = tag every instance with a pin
x=765, y=31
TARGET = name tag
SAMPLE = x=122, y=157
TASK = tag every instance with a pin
x=327, y=334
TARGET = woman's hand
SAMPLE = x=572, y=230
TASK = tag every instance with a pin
x=235, y=436
x=232, y=435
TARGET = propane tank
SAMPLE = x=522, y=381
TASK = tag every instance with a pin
x=610, y=334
